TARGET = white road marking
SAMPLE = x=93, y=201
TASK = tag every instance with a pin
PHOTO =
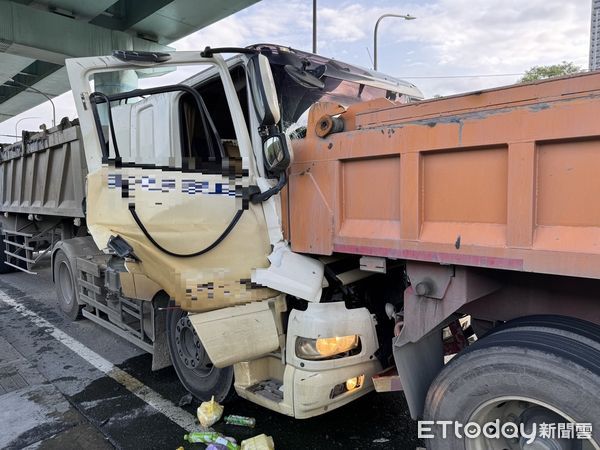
x=181, y=417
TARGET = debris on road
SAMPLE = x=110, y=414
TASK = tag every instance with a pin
x=241, y=421
x=211, y=437
x=381, y=441
x=185, y=400
x=260, y=442
x=209, y=413
x=216, y=447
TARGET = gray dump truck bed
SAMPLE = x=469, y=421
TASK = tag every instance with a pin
x=44, y=174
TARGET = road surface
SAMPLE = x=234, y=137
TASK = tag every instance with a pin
x=73, y=384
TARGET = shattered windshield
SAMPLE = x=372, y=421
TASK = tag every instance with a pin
x=333, y=81
x=296, y=100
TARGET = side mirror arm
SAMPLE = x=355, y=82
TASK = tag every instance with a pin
x=258, y=197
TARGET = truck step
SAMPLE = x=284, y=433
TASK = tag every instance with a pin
x=270, y=389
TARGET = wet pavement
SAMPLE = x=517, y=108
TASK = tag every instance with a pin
x=51, y=397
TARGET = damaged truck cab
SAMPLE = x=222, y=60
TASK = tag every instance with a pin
x=186, y=255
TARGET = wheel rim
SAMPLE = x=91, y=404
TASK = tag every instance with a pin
x=525, y=411
x=190, y=349
x=66, y=283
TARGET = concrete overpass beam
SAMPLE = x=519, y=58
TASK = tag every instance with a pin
x=51, y=37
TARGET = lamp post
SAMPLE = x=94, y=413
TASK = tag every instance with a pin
x=37, y=91
x=314, y=30
x=401, y=16
x=21, y=120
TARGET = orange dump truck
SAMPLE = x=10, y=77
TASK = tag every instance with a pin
x=489, y=203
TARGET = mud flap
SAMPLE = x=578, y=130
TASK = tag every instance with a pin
x=161, y=357
x=418, y=363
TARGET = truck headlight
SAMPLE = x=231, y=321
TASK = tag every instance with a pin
x=325, y=348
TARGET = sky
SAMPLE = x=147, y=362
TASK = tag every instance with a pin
x=444, y=51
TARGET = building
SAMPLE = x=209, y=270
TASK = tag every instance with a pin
x=595, y=36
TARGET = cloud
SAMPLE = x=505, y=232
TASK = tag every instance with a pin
x=450, y=37
x=502, y=35
x=266, y=21
x=507, y=36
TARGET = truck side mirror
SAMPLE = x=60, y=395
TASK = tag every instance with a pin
x=276, y=153
x=264, y=94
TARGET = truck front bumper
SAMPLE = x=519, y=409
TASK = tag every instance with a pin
x=314, y=391
x=307, y=388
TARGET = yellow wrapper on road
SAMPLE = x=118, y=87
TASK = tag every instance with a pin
x=209, y=413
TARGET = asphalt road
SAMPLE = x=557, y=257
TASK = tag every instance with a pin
x=124, y=420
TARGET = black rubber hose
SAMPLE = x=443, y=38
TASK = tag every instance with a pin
x=225, y=233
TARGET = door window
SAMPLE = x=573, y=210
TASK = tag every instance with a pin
x=177, y=127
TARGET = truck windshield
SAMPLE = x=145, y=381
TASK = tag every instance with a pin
x=296, y=99
x=341, y=83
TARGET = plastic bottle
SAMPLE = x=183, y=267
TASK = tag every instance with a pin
x=211, y=437
x=241, y=421
x=216, y=447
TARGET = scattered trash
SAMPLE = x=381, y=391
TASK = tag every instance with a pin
x=180, y=448
x=381, y=440
x=185, y=400
x=211, y=437
x=209, y=413
x=260, y=442
x=216, y=447
x=241, y=421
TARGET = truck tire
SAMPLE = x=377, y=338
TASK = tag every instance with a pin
x=66, y=286
x=577, y=329
x=516, y=375
x=191, y=362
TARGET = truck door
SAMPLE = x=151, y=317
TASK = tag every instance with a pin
x=169, y=171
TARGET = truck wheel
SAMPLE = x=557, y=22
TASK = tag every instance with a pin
x=66, y=287
x=519, y=376
x=192, y=364
x=577, y=329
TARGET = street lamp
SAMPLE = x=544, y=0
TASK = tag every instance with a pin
x=314, y=30
x=401, y=16
x=21, y=120
x=41, y=93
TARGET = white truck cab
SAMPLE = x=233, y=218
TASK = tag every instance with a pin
x=183, y=202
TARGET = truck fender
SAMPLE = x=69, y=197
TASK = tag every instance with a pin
x=436, y=293
x=74, y=248
x=239, y=333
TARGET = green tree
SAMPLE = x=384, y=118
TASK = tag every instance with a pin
x=554, y=70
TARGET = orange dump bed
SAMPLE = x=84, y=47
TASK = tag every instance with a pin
x=507, y=178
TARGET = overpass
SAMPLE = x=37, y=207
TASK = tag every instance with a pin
x=37, y=36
